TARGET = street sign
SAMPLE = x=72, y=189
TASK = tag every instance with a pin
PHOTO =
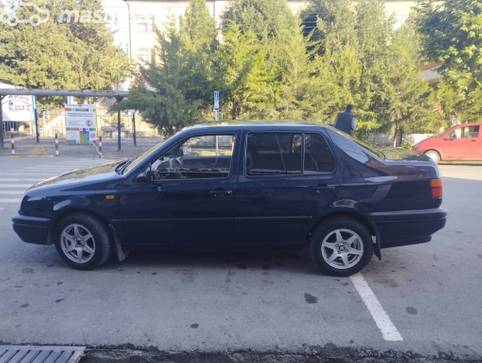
x=216, y=102
x=80, y=124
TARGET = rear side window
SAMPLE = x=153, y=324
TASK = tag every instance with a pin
x=282, y=154
x=273, y=153
x=318, y=157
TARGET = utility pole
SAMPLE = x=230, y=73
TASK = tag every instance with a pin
x=130, y=29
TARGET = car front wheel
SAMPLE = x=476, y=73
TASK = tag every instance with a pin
x=82, y=242
x=341, y=246
x=434, y=155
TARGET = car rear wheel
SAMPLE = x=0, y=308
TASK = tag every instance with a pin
x=82, y=242
x=434, y=155
x=341, y=246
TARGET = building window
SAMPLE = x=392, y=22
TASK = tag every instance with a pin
x=143, y=55
x=144, y=23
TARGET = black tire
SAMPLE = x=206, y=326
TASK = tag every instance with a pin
x=101, y=240
x=344, y=226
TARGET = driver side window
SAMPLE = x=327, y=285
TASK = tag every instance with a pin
x=199, y=157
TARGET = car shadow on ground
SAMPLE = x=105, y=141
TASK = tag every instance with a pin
x=297, y=262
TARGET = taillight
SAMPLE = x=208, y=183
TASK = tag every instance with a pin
x=437, y=188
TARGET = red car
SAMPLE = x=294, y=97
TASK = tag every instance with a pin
x=460, y=142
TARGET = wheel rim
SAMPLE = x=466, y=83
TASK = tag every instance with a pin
x=77, y=243
x=342, y=248
x=433, y=155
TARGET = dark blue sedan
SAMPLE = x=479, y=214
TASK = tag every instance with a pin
x=238, y=187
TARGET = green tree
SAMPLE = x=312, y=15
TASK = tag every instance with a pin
x=374, y=34
x=408, y=103
x=60, y=53
x=340, y=59
x=161, y=93
x=265, y=61
x=452, y=36
x=176, y=89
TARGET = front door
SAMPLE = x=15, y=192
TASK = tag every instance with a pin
x=187, y=201
x=287, y=179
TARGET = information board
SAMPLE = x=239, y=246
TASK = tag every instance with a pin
x=80, y=124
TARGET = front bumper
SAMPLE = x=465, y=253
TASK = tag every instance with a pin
x=32, y=229
x=400, y=228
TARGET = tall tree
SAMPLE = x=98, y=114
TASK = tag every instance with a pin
x=374, y=32
x=408, y=105
x=62, y=52
x=452, y=36
x=175, y=90
x=270, y=79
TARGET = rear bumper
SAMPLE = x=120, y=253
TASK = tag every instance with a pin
x=401, y=228
x=32, y=229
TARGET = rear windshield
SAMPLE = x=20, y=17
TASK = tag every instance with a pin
x=356, y=149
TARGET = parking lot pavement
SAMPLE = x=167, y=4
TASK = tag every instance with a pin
x=428, y=294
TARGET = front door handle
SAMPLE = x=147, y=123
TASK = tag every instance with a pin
x=220, y=191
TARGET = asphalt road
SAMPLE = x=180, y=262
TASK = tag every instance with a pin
x=425, y=299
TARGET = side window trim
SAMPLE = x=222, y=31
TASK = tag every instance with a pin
x=303, y=150
x=231, y=167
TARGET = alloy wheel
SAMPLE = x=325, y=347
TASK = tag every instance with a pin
x=342, y=248
x=77, y=243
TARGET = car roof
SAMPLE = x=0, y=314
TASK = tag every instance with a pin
x=255, y=126
x=468, y=124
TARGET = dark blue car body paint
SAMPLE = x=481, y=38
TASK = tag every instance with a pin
x=392, y=198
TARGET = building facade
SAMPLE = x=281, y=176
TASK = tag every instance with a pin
x=133, y=22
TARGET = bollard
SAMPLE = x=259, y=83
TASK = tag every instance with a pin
x=56, y=144
x=12, y=140
x=100, y=146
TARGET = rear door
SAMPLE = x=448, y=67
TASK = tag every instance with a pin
x=286, y=179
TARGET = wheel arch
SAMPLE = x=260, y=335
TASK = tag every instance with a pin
x=352, y=215
x=120, y=252
x=435, y=150
x=77, y=210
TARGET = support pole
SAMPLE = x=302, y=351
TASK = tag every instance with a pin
x=1, y=122
x=56, y=144
x=134, y=137
x=100, y=147
x=12, y=141
x=37, y=135
x=118, y=99
x=118, y=130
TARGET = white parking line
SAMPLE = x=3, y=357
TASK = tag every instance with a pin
x=15, y=186
x=381, y=318
x=17, y=179
x=9, y=200
x=13, y=192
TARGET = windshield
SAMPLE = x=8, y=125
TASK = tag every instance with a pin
x=138, y=160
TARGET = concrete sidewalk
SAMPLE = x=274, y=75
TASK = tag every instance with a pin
x=27, y=147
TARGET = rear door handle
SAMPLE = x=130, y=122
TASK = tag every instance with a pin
x=318, y=188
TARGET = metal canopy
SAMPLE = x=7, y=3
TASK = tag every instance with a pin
x=61, y=93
